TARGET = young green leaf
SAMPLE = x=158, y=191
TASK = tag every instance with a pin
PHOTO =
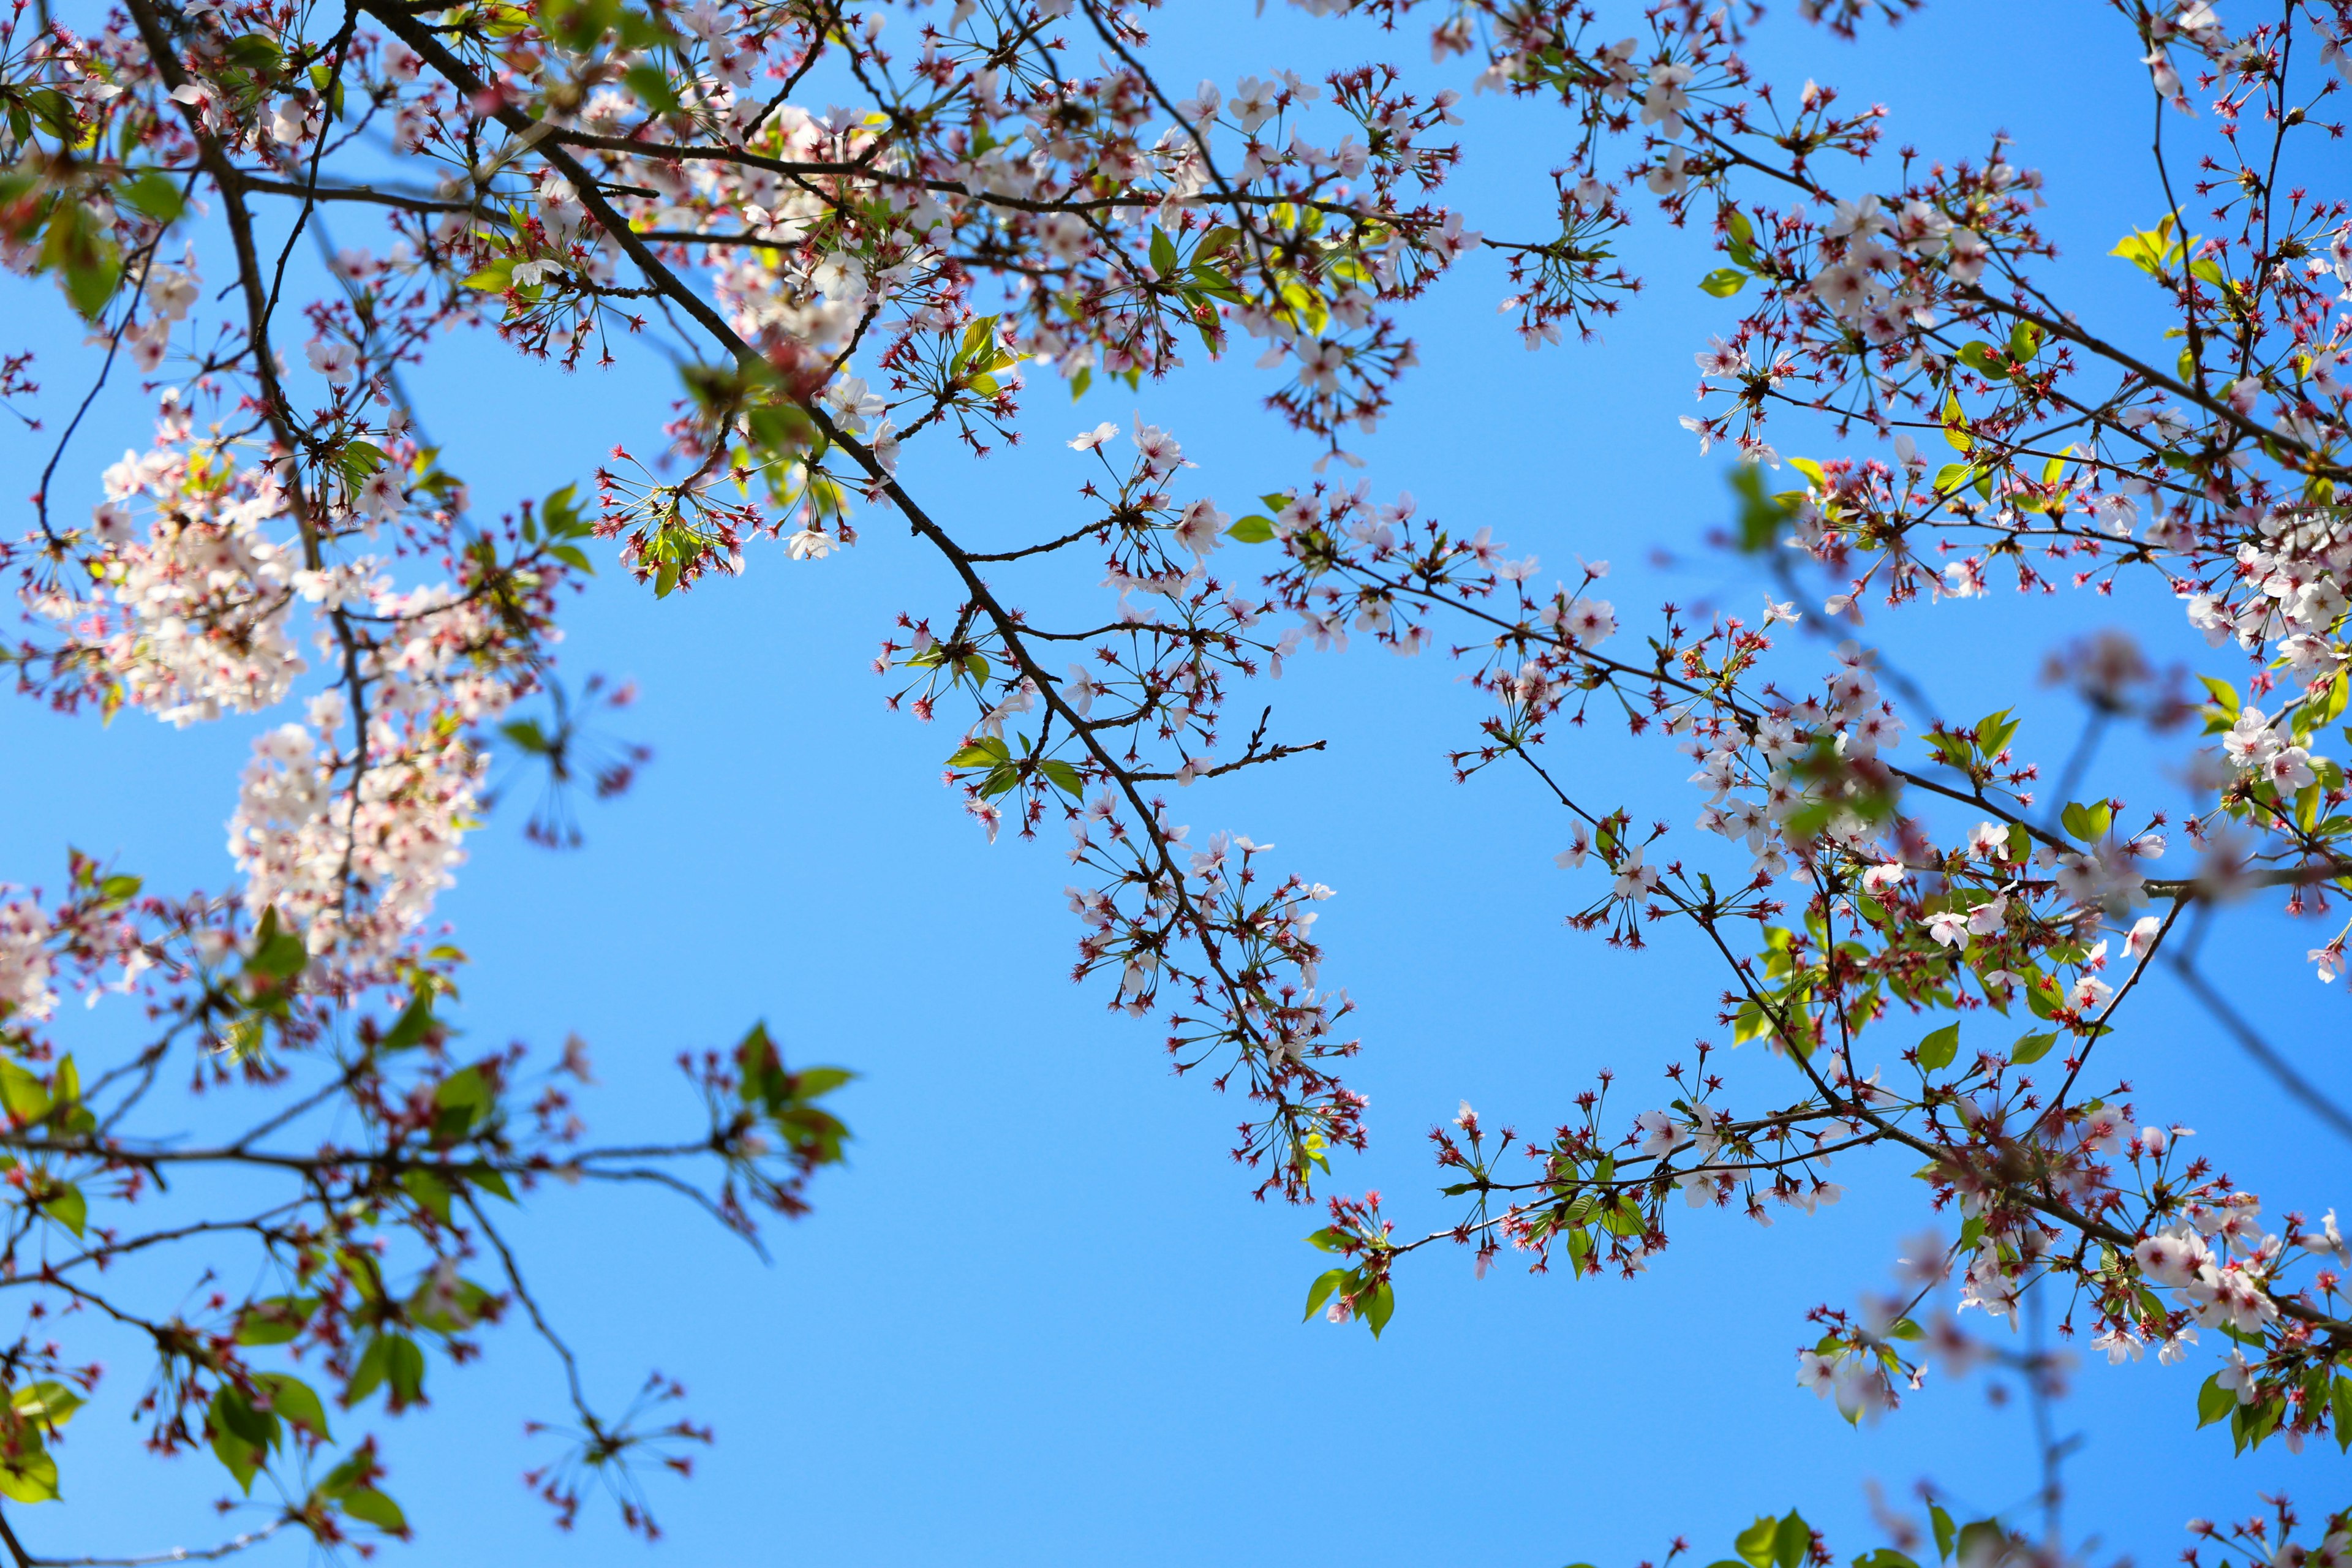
x=1377, y=1307
x=370, y=1506
x=1792, y=1539
x=2031, y=1049
x=294, y=1400
x=1318, y=1293
x=1945, y=1534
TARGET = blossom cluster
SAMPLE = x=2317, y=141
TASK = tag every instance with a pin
x=191, y=613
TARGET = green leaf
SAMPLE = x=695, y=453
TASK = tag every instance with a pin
x=2340, y=1404
x=353, y=1471
x=1956, y=423
x=25, y=1097
x=1163, y=256
x=431, y=1193
x=273, y=1320
x=978, y=346
x=414, y=1024
x=241, y=1416
x=1761, y=516
x=984, y=753
x=50, y=1404
x=29, y=1475
x=1330, y=1238
x=1379, y=1307
x=495, y=279
x=1942, y=1524
x=2031, y=1049
x=390, y=1360
x=153, y=195
x=1251, y=530
x=257, y=52
x=330, y=87
x=1814, y=473
x=1724, y=282
x=463, y=1101
x=77, y=245
x=278, y=953
x=1793, y=1538
x=1936, y=1051
x=653, y=89
x=1307, y=309
x=360, y=459
x=1983, y=1541
x=296, y=1401
x=1994, y=733
x=1977, y=357
x=640, y=31
x=1320, y=1291
x=1064, y=777
x=370, y=1506
x=2253, y=1423
x=1755, y=1542
x=2339, y=694
x=1216, y=285
x=811, y=1082
x=559, y=514
x=2043, y=996
x=68, y=1208
x=2088, y=823
x=491, y=1182
x=2143, y=249
x=53, y=112
x=760, y=1068
x=2215, y=1403
x=242, y=1435
x=89, y=288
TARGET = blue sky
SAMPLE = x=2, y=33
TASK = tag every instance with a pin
x=1038, y=1319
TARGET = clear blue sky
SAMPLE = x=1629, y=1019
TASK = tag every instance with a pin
x=1038, y=1319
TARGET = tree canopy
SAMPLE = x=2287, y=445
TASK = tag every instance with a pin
x=852, y=229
